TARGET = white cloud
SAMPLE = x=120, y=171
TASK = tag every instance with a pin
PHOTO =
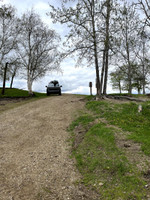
x=41, y=6
x=19, y=83
x=73, y=80
x=4, y=2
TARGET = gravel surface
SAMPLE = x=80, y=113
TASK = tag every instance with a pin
x=35, y=162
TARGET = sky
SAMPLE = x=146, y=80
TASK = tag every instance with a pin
x=73, y=80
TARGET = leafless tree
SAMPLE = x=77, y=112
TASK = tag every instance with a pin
x=143, y=59
x=145, y=7
x=106, y=11
x=89, y=36
x=83, y=38
x=37, y=48
x=14, y=68
x=8, y=38
x=127, y=37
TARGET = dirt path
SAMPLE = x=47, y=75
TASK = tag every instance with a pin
x=35, y=161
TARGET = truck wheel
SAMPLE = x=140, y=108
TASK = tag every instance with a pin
x=47, y=94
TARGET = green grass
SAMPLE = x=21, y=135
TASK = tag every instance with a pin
x=14, y=92
x=103, y=166
x=126, y=116
x=84, y=120
x=89, y=97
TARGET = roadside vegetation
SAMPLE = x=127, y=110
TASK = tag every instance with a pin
x=106, y=166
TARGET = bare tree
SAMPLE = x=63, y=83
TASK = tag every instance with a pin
x=106, y=15
x=145, y=7
x=8, y=38
x=117, y=78
x=37, y=48
x=143, y=59
x=14, y=68
x=83, y=38
x=89, y=37
x=129, y=26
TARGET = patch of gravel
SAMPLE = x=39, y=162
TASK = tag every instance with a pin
x=35, y=161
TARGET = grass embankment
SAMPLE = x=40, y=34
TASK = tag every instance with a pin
x=104, y=166
x=17, y=93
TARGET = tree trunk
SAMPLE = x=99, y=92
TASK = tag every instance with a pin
x=129, y=80
x=12, y=79
x=107, y=46
x=30, y=87
x=106, y=72
x=139, y=88
x=144, y=78
x=4, y=78
x=144, y=92
x=95, y=50
x=139, y=91
x=120, y=90
x=102, y=72
x=129, y=67
x=120, y=87
x=97, y=74
x=29, y=84
x=128, y=61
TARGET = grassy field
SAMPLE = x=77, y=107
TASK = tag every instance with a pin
x=105, y=166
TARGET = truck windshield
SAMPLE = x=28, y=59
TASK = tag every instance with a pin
x=53, y=85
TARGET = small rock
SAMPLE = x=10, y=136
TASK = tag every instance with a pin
x=101, y=184
x=146, y=186
x=127, y=145
x=140, y=108
x=81, y=193
x=97, y=98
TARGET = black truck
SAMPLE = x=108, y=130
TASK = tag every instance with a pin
x=53, y=88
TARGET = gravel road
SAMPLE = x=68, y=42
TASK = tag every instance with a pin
x=35, y=162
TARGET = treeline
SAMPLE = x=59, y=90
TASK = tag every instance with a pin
x=114, y=36
x=111, y=35
x=28, y=48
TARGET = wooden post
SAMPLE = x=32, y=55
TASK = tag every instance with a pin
x=90, y=85
x=4, y=78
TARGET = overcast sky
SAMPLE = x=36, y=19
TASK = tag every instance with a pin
x=73, y=80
